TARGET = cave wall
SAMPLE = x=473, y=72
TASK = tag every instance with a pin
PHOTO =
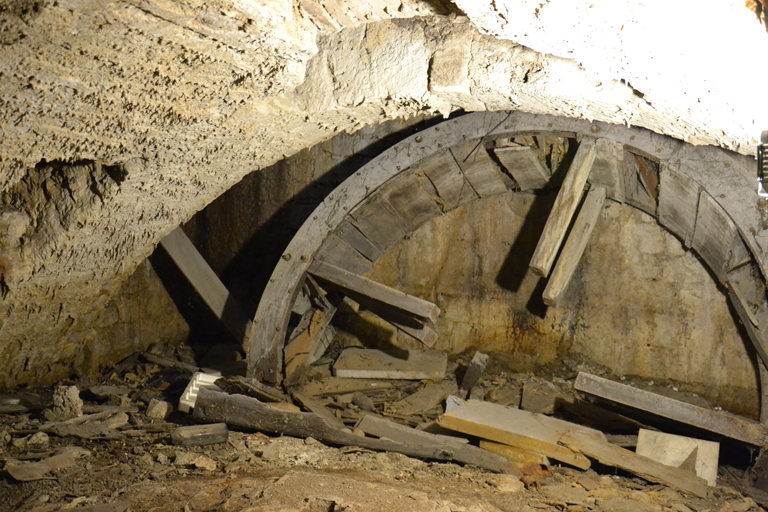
x=640, y=304
x=120, y=120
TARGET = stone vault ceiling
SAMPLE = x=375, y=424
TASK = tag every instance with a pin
x=119, y=120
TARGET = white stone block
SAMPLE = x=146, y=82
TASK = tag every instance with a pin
x=673, y=450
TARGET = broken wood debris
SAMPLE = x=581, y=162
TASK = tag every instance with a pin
x=376, y=291
x=532, y=432
x=474, y=371
x=248, y=412
x=574, y=247
x=596, y=447
x=565, y=205
x=360, y=363
x=724, y=424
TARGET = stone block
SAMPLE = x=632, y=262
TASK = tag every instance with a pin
x=675, y=450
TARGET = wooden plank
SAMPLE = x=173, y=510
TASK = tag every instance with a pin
x=678, y=203
x=375, y=291
x=724, y=424
x=565, y=205
x=339, y=386
x=306, y=347
x=524, y=166
x=463, y=452
x=378, y=221
x=612, y=455
x=339, y=253
x=637, y=191
x=361, y=363
x=380, y=427
x=350, y=234
x=763, y=391
x=446, y=176
x=740, y=254
x=315, y=406
x=206, y=283
x=478, y=167
x=414, y=198
x=532, y=432
x=714, y=235
x=574, y=247
x=426, y=398
x=513, y=453
x=246, y=412
x=756, y=334
x=608, y=169
x=748, y=284
x=400, y=320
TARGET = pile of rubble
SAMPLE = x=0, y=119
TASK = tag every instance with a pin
x=409, y=416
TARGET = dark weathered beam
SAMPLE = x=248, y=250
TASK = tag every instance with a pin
x=565, y=205
x=242, y=411
x=724, y=424
x=375, y=291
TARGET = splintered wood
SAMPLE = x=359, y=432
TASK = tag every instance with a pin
x=565, y=205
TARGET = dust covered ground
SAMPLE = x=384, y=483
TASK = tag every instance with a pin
x=129, y=463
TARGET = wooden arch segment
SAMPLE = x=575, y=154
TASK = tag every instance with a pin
x=428, y=163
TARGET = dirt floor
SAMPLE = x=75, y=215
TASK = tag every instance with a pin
x=127, y=462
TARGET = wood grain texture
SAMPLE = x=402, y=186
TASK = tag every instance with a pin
x=565, y=205
x=480, y=170
x=446, y=176
x=339, y=253
x=618, y=457
x=532, y=432
x=608, y=169
x=724, y=424
x=574, y=247
x=678, y=203
x=376, y=291
x=245, y=412
x=714, y=235
x=524, y=166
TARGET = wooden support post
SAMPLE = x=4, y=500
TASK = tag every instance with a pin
x=206, y=283
x=724, y=424
x=574, y=247
x=563, y=209
x=375, y=291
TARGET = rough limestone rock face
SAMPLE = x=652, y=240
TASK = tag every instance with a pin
x=120, y=120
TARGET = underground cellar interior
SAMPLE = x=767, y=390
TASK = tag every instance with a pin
x=451, y=212
x=411, y=269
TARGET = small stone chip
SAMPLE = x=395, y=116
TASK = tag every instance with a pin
x=205, y=463
x=159, y=409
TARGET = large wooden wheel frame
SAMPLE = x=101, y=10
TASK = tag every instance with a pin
x=704, y=195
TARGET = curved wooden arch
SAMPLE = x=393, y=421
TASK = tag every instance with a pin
x=704, y=198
